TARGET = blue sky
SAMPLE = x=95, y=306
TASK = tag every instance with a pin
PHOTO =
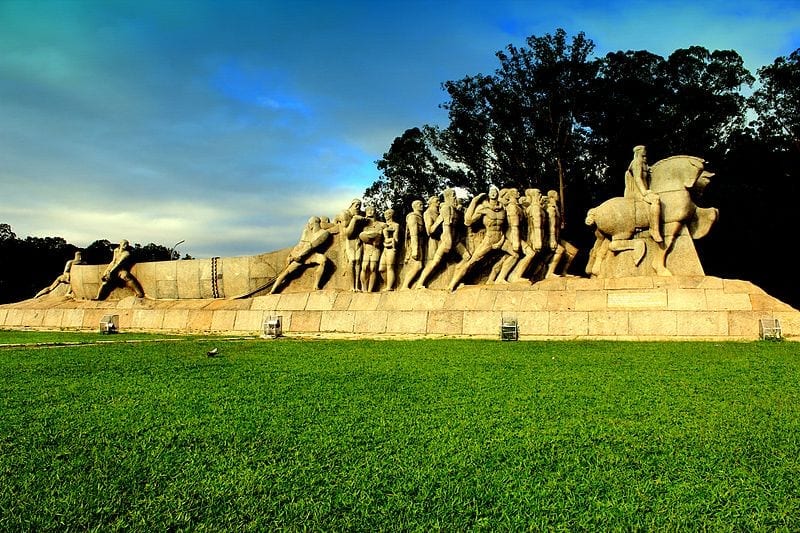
x=228, y=123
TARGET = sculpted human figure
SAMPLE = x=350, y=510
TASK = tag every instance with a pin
x=64, y=277
x=559, y=246
x=119, y=270
x=414, y=241
x=372, y=237
x=501, y=271
x=637, y=186
x=533, y=243
x=492, y=214
x=391, y=236
x=306, y=252
x=432, y=226
x=448, y=241
x=350, y=222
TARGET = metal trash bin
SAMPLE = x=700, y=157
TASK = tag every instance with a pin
x=769, y=329
x=509, y=329
x=273, y=326
x=109, y=324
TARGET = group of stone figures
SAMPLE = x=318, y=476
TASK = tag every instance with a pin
x=521, y=232
x=518, y=229
x=517, y=234
x=117, y=272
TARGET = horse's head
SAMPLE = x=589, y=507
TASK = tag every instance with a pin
x=680, y=171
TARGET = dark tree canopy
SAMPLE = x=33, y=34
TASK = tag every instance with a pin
x=409, y=170
x=519, y=127
x=777, y=102
x=30, y=264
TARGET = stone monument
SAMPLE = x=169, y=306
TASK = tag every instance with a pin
x=446, y=271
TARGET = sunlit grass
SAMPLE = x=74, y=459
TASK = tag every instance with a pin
x=389, y=435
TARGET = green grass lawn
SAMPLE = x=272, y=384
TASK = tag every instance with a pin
x=425, y=435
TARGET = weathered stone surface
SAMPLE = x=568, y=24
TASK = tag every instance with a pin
x=249, y=321
x=445, y=322
x=338, y=321
x=371, y=322
x=679, y=299
x=147, y=319
x=701, y=324
x=650, y=299
x=675, y=308
x=594, y=300
x=608, y=324
x=569, y=323
x=223, y=320
x=657, y=324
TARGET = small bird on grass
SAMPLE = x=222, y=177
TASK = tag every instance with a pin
x=212, y=353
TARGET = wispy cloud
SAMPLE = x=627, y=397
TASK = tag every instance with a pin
x=227, y=124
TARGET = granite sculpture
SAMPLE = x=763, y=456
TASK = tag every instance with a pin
x=503, y=237
x=64, y=278
x=119, y=270
x=628, y=223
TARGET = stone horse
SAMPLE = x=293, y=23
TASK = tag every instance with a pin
x=620, y=222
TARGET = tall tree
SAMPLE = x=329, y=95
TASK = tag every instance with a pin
x=409, y=171
x=777, y=102
x=689, y=103
x=521, y=126
x=6, y=233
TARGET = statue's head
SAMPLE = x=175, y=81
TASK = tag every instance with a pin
x=369, y=211
x=416, y=205
x=355, y=205
x=640, y=150
x=433, y=200
x=314, y=222
x=533, y=194
x=449, y=195
x=124, y=244
x=78, y=256
x=494, y=193
x=388, y=214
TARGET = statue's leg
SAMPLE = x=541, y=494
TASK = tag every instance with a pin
x=389, y=273
x=364, y=275
x=373, y=275
x=571, y=252
x=356, y=275
x=412, y=269
x=320, y=271
x=671, y=231
x=463, y=267
x=600, y=255
x=655, y=221
x=517, y=275
x=551, y=267
x=423, y=277
x=494, y=274
x=623, y=244
x=507, y=265
x=132, y=283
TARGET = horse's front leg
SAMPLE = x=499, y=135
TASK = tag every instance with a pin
x=670, y=233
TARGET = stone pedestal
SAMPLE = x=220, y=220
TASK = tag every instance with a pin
x=630, y=308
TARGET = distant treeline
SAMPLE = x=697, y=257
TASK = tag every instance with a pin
x=30, y=264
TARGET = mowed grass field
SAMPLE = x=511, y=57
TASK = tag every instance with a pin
x=426, y=435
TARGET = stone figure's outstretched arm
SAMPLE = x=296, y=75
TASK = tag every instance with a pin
x=470, y=217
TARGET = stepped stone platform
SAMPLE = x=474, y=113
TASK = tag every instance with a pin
x=630, y=308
